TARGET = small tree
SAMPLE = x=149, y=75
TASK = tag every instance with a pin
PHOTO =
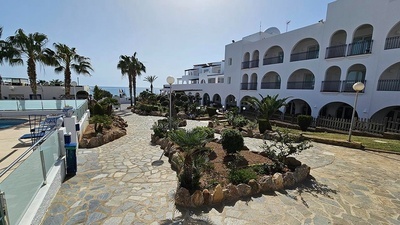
x=232, y=140
x=304, y=121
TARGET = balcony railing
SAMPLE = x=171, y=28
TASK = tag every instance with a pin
x=330, y=86
x=335, y=51
x=273, y=60
x=389, y=85
x=309, y=85
x=246, y=65
x=360, y=48
x=270, y=85
x=253, y=86
x=254, y=63
x=244, y=86
x=347, y=85
x=304, y=55
x=392, y=42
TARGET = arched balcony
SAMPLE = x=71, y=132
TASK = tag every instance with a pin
x=255, y=60
x=362, y=41
x=337, y=46
x=246, y=61
x=393, y=38
x=332, y=80
x=356, y=73
x=304, y=50
x=273, y=55
x=301, y=79
x=253, y=82
x=390, y=79
x=245, y=82
x=271, y=80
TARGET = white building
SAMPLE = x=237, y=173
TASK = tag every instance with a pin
x=315, y=65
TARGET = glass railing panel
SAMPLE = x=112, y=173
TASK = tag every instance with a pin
x=50, y=148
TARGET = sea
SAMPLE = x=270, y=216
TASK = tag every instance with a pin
x=125, y=90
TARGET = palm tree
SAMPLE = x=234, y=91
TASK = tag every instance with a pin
x=42, y=82
x=132, y=67
x=266, y=107
x=56, y=82
x=32, y=47
x=66, y=59
x=151, y=79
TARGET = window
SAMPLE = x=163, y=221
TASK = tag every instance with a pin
x=230, y=61
x=211, y=80
x=228, y=80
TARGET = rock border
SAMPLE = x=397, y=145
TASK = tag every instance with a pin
x=231, y=193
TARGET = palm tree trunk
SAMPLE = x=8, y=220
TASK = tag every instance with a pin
x=151, y=87
x=67, y=81
x=32, y=75
x=130, y=88
x=134, y=89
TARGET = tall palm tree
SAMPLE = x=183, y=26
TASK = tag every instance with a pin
x=151, y=79
x=132, y=67
x=31, y=46
x=65, y=59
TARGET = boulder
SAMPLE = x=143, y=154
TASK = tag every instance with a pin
x=197, y=198
x=277, y=179
x=288, y=179
x=207, y=197
x=210, y=124
x=183, y=123
x=292, y=163
x=218, y=195
x=255, y=187
x=244, y=190
x=301, y=172
x=232, y=194
x=266, y=183
x=182, y=197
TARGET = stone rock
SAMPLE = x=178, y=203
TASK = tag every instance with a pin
x=244, y=134
x=159, y=141
x=301, y=172
x=266, y=184
x=95, y=142
x=292, y=163
x=288, y=179
x=197, y=198
x=164, y=143
x=182, y=197
x=232, y=193
x=183, y=123
x=210, y=124
x=207, y=197
x=182, y=115
x=255, y=187
x=218, y=195
x=278, y=181
x=244, y=190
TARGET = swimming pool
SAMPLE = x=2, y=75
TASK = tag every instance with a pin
x=7, y=123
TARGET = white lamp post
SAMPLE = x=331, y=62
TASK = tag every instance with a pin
x=170, y=81
x=357, y=87
x=73, y=84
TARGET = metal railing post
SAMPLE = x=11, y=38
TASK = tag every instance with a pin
x=43, y=163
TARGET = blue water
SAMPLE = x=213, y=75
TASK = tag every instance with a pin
x=119, y=90
x=7, y=123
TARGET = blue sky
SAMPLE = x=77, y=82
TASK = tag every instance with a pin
x=169, y=36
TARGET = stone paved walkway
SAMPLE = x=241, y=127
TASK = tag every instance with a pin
x=124, y=182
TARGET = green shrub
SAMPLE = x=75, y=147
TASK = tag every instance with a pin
x=238, y=176
x=232, y=140
x=211, y=111
x=100, y=121
x=240, y=121
x=262, y=125
x=98, y=109
x=207, y=130
x=304, y=121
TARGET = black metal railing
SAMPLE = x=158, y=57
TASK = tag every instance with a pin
x=389, y=85
x=304, y=55
x=270, y=85
x=309, y=85
x=392, y=42
x=273, y=60
x=244, y=86
x=335, y=51
x=254, y=63
x=347, y=85
x=253, y=86
x=246, y=65
x=360, y=48
x=330, y=86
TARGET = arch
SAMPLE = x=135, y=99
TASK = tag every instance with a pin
x=389, y=80
x=216, y=100
x=246, y=61
x=362, y=40
x=356, y=73
x=273, y=55
x=305, y=49
x=271, y=80
x=297, y=107
x=203, y=81
x=245, y=82
x=197, y=98
x=206, y=99
x=243, y=103
x=391, y=113
x=337, y=45
x=301, y=79
x=230, y=101
x=393, y=37
x=253, y=82
x=331, y=82
x=82, y=95
x=255, y=59
x=339, y=110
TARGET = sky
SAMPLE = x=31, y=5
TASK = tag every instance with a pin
x=169, y=36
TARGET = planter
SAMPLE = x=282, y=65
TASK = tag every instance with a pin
x=68, y=111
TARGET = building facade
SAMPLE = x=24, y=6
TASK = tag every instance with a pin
x=316, y=66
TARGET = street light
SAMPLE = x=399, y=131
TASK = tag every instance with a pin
x=73, y=84
x=357, y=87
x=170, y=81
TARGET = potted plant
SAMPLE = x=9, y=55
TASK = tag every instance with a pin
x=68, y=110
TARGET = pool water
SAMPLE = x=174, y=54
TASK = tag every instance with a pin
x=7, y=123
